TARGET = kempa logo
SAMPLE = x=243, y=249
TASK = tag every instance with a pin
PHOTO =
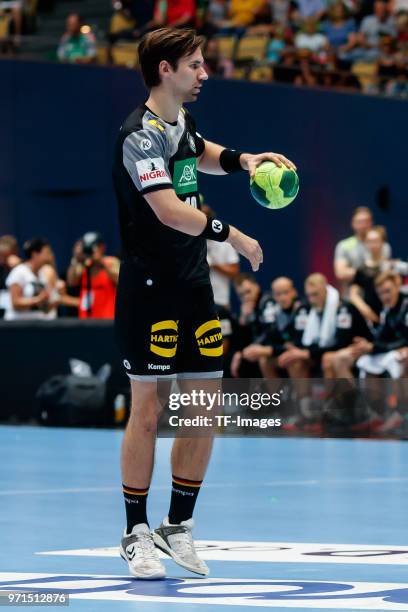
x=127, y=364
x=217, y=226
x=152, y=366
x=146, y=144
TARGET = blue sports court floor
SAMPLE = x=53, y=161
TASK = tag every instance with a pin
x=295, y=524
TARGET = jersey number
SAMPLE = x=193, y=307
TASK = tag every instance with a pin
x=192, y=201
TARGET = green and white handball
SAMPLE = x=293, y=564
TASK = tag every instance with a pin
x=273, y=186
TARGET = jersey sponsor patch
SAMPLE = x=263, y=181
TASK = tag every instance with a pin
x=185, y=176
x=152, y=172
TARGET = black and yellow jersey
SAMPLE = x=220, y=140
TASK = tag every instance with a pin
x=152, y=154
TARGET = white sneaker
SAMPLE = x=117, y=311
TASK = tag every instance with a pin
x=177, y=542
x=140, y=553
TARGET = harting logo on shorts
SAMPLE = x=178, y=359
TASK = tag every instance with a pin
x=209, y=338
x=163, y=338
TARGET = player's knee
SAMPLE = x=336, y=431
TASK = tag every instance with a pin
x=145, y=415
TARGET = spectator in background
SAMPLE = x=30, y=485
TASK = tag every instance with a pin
x=351, y=328
x=374, y=27
x=309, y=38
x=223, y=260
x=244, y=13
x=387, y=354
x=280, y=10
x=216, y=18
x=350, y=253
x=215, y=63
x=16, y=8
x=256, y=315
x=286, y=329
x=96, y=275
x=339, y=28
x=310, y=8
x=8, y=260
x=78, y=44
x=362, y=291
x=175, y=13
x=318, y=337
x=71, y=293
x=276, y=45
x=31, y=297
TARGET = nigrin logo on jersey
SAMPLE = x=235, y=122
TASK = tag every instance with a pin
x=207, y=340
x=151, y=171
x=164, y=333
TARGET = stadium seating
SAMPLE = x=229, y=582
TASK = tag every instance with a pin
x=120, y=22
x=5, y=19
x=366, y=74
x=227, y=45
x=125, y=54
x=252, y=48
x=261, y=73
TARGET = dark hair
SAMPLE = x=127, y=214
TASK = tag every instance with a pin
x=245, y=276
x=34, y=245
x=168, y=44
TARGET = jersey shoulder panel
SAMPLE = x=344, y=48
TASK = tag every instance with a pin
x=145, y=152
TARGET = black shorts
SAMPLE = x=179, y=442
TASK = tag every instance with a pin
x=165, y=331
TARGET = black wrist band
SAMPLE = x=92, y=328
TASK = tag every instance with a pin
x=216, y=230
x=229, y=160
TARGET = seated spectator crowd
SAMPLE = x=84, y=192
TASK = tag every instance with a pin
x=347, y=44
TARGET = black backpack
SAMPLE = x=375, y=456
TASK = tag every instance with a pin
x=70, y=400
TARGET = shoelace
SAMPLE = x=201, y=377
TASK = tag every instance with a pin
x=147, y=548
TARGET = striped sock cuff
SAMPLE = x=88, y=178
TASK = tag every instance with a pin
x=133, y=491
x=185, y=482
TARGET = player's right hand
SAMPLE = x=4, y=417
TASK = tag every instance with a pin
x=246, y=246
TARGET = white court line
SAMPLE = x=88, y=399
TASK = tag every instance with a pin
x=277, y=483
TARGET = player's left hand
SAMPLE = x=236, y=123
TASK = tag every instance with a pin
x=251, y=162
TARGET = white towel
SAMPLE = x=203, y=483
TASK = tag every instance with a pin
x=322, y=331
x=378, y=364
